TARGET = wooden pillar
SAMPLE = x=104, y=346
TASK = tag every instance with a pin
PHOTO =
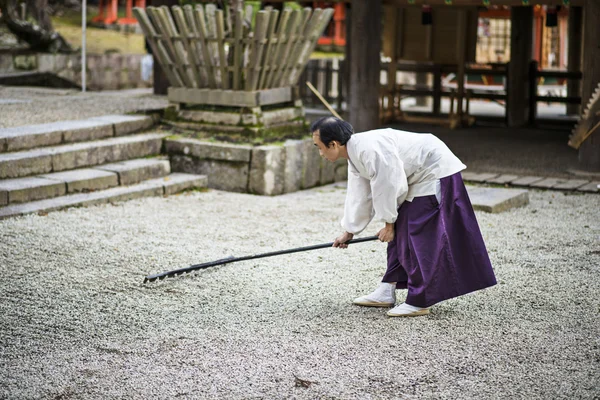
x=589, y=152
x=518, y=69
x=574, y=56
x=365, y=64
x=423, y=77
x=461, y=48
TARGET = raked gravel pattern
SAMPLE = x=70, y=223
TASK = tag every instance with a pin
x=77, y=322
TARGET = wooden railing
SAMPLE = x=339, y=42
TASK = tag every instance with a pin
x=330, y=78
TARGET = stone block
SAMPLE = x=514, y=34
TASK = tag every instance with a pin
x=280, y=116
x=3, y=198
x=210, y=117
x=592, y=187
x=476, y=177
x=526, y=180
x=571, y=184
x=29, y=137
x=61, y=62
x=134, y=171
x=267, y=170
x=15, y=165
x=25, y=62
x=294, y=160
x=6, y=63
x=546, y=183
x=22, y=190
x=46, y=62
x=495, y=200
x=84, y=130
x=81, y=180
x=503, y=179
x=175, y=183
x=311, y=166
x=327, y=172
x=125, y=124
x=210, y=151
x=222, y=175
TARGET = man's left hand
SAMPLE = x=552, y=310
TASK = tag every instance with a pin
x=387, y=233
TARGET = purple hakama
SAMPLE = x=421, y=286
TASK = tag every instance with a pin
x=438, y=252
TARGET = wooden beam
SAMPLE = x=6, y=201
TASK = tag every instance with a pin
x=589, y=152
x=518, y=68
x=574, y=55
x=365, y=61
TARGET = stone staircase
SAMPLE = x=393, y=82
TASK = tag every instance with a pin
x=84, y=162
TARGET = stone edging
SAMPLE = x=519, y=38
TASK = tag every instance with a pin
x=534, y=182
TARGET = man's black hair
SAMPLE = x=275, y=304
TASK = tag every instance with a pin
x=332, y=128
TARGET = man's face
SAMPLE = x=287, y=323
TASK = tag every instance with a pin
x=330, y=153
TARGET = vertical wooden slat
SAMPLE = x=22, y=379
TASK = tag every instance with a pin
x=157, y=49
x=262, y=23
x=237, y=50
x=203, y=42
x=221, y=46
x=284, y=49
x=186, y=35
x=211, y=29
x=267, y=53
x=311, y=35
x=194, y=41
x=299, y=45
x=161, y=27
x=181, y=57
x=273, y=50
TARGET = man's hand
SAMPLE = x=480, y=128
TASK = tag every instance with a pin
x=341, y=240
x=387, y=233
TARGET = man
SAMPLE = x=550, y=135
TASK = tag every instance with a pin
x=412, y=183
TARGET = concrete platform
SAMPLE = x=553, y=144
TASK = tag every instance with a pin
x=495, y=200
x=154, y=187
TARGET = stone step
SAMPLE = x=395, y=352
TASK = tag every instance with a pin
x=21, y=190
x=71, y=156
x=35, y=136
x=167, y=185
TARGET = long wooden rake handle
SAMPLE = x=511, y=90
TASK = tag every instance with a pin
x=325, y=103
x=171, y=274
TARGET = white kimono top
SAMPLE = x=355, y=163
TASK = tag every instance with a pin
x=389, y=166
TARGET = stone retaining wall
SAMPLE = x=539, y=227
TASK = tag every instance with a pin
x=264, y=170
x=104, y=71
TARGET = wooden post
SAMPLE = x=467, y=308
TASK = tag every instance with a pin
x=518, y=68
x=533, y=88
x=365, y=61
x=589, y=152
x=461, y=48
x=574, y=56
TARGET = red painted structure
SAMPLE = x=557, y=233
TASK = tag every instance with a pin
x=335, y=33
x=107, y=12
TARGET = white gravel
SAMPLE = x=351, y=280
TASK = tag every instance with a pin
x=77, y=322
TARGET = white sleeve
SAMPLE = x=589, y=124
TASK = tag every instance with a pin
x=358, y=210
x=389, y=185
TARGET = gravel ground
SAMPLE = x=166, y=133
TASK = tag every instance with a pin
x=77, y=322
x=37, y=105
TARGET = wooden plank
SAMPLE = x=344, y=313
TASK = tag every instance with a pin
x=284, y=47
x=186, y=34
x=274, y=56
x=294, y=52
x=237, y=51
x=265, y=63
x=157, y=50
x=194, y=42
x=165, y=41
x=221, y=48
x=235, y=98
x=203, y=44
x=181, y=60
x=256, y=49
x=311, y=36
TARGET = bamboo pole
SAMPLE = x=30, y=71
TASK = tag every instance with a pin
x=186, y=35
x=203, y=42
x=265, y=63
x=296, y=43
x=256, y=49
x=221, y=46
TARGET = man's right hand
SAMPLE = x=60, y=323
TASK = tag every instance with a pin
x=341, y=240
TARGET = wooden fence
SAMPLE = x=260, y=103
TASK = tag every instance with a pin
x=201, y=47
